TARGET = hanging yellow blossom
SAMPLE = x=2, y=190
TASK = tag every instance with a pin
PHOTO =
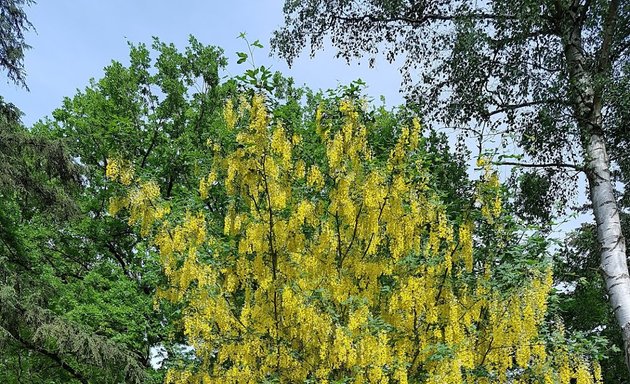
x=359, y=273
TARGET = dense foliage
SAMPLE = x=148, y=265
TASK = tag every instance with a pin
x=316, y=252
x=257, y=232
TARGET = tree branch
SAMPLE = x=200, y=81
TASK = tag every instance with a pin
x=603, y=54
x=112, y=249
x=538, y=165
x=425, y=18
x=584, y=12
x=501, y=43
x=68, y=368
x=502, y=108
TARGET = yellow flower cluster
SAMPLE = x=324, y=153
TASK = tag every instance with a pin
x=141, y=200
x=229, y=115
x=344, y=269
x=119, y=170
x=206, y=183
x=489, y=191
x=142, y=206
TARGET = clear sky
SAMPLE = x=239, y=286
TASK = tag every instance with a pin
x=76, y=39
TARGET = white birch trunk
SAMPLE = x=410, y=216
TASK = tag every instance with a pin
x=587, y=104
x=612, y=242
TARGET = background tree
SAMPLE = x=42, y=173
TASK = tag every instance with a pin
x=13, y=24
x=39, y=182
x=550, y=76
x=155, y=113
x=39, y=343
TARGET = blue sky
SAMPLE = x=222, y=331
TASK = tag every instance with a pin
x=76, y=39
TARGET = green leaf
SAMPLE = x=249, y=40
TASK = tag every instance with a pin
x=242, y=57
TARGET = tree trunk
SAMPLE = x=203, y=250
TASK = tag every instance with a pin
x=587, y=104
x=612, y=242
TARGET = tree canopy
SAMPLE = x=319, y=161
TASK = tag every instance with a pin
x=318, y=248
x=254, y=231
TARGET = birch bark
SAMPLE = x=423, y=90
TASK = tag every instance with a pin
x=587, y=104
x=612, y=242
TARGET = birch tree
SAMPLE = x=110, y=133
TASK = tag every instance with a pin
x=551, y=71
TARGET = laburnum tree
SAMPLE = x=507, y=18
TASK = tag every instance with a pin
x=549, y=77
x=320, y=248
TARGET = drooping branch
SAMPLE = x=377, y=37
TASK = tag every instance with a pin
x=54, y=357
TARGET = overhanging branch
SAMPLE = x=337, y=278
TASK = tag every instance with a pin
x=538, y=165
x=54, y=357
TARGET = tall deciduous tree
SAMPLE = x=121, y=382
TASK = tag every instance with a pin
x=157, y=114
x=554, y=71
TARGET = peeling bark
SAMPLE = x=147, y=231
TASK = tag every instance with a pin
x=587, y=105
x=612, y=242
